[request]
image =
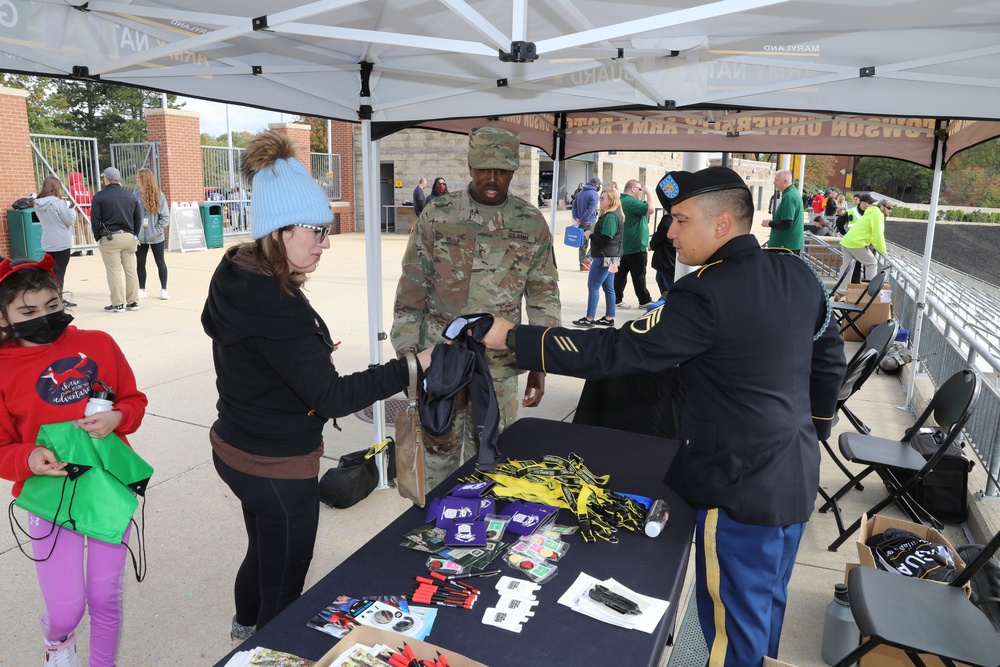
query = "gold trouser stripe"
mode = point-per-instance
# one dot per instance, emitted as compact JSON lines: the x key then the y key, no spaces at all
{"x":713,"y":576}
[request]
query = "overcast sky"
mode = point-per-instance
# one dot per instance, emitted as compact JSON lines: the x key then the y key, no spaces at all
{"x":213,"y":116}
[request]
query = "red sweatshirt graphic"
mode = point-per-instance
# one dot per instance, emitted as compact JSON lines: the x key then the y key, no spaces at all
{"x":46,"y":384}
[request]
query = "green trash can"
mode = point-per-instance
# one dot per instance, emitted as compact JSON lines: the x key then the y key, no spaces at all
{"x":211,"y":219}
{"x":25,"y":234}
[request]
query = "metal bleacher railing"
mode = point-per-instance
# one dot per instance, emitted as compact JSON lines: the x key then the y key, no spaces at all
{"x":960,"y":330}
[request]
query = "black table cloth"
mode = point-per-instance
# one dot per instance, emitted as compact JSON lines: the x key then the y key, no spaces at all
{"x":555,"y":635}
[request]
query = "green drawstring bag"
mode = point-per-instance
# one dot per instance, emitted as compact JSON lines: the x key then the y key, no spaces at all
{"x":98,"y":495}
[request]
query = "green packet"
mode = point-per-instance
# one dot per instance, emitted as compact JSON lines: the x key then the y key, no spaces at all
{"x":476,"y":558}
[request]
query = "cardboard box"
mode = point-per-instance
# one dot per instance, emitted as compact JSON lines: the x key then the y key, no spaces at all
{"x":878,"y":312}
{"x":370,"y":636}
{"x":887,"y":656}
{"x":878,"y":523}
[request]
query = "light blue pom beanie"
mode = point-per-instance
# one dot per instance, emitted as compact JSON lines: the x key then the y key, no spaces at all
{"x":282,"y":191}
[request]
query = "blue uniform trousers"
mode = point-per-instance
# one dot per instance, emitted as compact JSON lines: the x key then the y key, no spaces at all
{"x":742,"y":574}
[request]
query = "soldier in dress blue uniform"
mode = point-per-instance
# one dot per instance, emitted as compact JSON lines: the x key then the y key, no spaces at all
{"x":760,"y":369}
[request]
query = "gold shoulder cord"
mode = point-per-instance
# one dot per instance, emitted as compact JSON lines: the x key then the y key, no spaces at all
{"x":544,"y":334}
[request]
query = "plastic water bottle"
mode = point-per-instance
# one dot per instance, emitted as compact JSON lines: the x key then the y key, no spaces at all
{"x":657,"y":518}
{"x":101,"y":399}
{"x":840,"y":632}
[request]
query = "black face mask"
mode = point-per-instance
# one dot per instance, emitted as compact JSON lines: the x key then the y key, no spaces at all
{"x":43,"y":330}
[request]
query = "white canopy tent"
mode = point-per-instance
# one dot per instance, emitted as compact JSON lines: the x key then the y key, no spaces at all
{"x":688,"y":65}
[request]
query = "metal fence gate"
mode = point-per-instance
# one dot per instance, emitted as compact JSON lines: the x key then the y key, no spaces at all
{"x":325,"y":169}
{"x":224,"y":183}
{"x":130,"y":158}
{"x":73,"y":160}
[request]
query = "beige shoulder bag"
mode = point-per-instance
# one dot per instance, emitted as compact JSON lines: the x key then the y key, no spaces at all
{"x":410,"y":443}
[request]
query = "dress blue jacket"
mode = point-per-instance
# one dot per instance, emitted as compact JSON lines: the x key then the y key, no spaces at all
{"x":760,"y":371}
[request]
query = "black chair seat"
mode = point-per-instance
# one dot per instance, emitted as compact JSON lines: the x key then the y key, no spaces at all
{"x":879,"y":451}
{"x":908,"y":612}
{"x":848,"y":307}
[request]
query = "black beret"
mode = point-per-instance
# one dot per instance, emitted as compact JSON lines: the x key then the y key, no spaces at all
{"x":677,"y":186}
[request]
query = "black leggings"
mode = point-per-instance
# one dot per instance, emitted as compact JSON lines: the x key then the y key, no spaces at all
{"x":161,"y":264}
{"x":281,"y":517}
{"x":61,"y":258}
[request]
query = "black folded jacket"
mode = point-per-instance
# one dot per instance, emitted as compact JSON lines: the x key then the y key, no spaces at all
{"x":453,"y":368}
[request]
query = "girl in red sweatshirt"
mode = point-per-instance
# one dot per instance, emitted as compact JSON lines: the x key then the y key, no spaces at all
{"x":48,"y":367}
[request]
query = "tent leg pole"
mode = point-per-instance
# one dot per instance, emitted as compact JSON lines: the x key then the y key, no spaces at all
{"x":373,"y":267}
{"x":555,"y":187}
{"x":921,"y":298}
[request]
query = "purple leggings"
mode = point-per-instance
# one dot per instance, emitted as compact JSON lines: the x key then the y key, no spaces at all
{"x":67,"y":591}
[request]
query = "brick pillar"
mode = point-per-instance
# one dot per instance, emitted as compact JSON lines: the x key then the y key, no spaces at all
{"x":179,"y":134}
{"x":15,"y":156}
{"x":342,"y":140}
{"x":299,"y":136}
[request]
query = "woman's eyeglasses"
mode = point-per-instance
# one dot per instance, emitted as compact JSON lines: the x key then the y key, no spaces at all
{"x":320,"y":232}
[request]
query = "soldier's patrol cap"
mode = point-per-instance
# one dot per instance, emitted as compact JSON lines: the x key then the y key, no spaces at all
{"x":677,"y":186}
{"x":493,"y":147}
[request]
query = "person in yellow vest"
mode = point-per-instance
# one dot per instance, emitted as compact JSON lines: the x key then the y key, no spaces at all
{"x":869,"y":230}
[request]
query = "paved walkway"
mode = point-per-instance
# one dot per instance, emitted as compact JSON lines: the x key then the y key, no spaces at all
{"x":194,"y":536}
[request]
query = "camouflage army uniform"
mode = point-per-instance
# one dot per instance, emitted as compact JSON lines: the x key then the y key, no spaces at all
{"x":459,"y":263}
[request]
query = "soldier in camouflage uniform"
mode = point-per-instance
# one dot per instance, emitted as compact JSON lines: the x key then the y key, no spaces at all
{"x":474,"y":251}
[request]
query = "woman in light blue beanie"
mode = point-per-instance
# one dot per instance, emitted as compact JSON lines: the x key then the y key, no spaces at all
{"x":277,"y":385}
{"x":284,"y":193}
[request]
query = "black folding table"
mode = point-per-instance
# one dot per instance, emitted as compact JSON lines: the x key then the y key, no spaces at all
{"x":556,"y":635}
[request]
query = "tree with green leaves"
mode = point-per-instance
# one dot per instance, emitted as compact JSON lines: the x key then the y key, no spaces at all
{"x":241,"y":139}
{"x":895,"y":178}
{"x":48,"y":110}
{"x":317,"y":132}
{"x":972,"y":178}
{"x":109,"y":112}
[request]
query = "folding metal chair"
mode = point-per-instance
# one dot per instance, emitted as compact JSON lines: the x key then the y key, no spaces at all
{"x":922,"y":617}
{"x":879,"y":340}
{"x":860,"y":367}
{"x":951,"y":406}
{"x":840,"y":281}
{"x":849,"y":313}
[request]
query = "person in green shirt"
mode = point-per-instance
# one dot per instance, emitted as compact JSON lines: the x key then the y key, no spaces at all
{"x":637,"y":205}
{"x":606,"y":251}
{"x":787,"y":224}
